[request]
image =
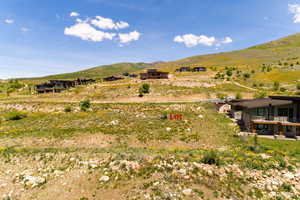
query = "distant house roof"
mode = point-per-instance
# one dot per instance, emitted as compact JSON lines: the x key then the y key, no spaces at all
{"x":151,"y":70}
{"x":112,"y":78}
{"x":259,"y":103}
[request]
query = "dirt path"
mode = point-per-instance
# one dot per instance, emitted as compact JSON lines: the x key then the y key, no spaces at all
{"x":240,"y":85}
{"x":145,"y":99}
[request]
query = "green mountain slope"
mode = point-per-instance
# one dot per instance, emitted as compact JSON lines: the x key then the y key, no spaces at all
{"x":101,"y":71}
{"x":268,"y":53}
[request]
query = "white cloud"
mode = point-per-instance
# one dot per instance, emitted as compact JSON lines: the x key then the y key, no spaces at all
{"x":87,"y":32}
{"x":24,"y":29}
{"x":74,"y":14}
{"x":125,"y":38}
{"x":191,"y":40}
{"x":9,"y":21}
{"x":295,"y":9}
{"x":107,"y":23}
{"x":227,"y":40}
{"x":94,"y":30}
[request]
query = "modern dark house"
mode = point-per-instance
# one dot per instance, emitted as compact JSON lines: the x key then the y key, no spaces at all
{"x":184,"y":69}
{"x":48,"y":87}
{"x":56,"y":86}
{"x":129,"y":75}
{"x":63,"y":83}
{"x":133,"y":75}
{"x":189,"y":69}
{"x":112,"y":78}
{"x":154,"y":74}
{"x":276,"y":115}
{"x":84,"y":81}
{"x":199,"y":69}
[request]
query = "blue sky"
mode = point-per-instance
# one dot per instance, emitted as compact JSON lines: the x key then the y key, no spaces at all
{"x":41,"y":37}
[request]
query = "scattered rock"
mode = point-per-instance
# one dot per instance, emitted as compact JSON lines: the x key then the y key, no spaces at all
{"x":104,"y":179}
{"x":187,"y":192}
{"x":33,"y":181}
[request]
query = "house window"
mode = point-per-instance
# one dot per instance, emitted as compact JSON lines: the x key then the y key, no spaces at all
{"x":260,"y":111}
{"x":261,"y":127}
{"x":283,"y":112}
{"x":288,"y":129}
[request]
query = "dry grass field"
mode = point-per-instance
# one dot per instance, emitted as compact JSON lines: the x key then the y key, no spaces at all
{"x":135,"y":151}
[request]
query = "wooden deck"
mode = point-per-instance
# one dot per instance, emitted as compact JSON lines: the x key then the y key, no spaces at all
{"x":275,"y":123}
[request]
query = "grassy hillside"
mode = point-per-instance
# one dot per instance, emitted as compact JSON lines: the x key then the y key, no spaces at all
{"x":101,"y":71}
{"x":268,"y":53}
{"x":135,"y":151}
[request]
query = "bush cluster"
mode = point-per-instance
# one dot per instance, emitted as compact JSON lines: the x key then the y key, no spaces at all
{"x":14,"y":115}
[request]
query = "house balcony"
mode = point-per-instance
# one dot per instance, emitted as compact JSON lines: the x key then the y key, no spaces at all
{"x":272,"y":118}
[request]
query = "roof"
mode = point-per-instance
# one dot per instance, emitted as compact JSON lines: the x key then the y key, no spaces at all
{"x":290,"y":98}
{"x":259,"y":103}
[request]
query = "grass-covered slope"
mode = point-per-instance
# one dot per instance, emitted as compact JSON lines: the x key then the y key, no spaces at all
{"x":267,"y":53}
{"x":135,"y":151}
{"x":101,"y":71}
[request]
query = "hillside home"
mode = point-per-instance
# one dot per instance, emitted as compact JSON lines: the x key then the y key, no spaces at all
{"x":56,"y":86}
{"x":48,"y":87}
{"x":63,"y":83}
{"x":129,"y":75}
{"x":154,"y":74}
{"x":184,"y":69}
{"x":133,"y":75}
{"x":189,"y":69}
{"x":199,"y":69}
{"x":276,"y":115}
{"x":84,"y":81}
{"x":112,"y":78}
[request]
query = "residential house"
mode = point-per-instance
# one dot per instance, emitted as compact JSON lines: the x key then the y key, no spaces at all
{"x":199,"y":69}
{"x":112,"y":78}
{"x":184,"y":69}
{"x":56,"y":86}
{"x":154,"y":74}
{"x":276,"y":115}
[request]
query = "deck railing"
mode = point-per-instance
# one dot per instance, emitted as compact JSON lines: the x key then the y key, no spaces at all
{"x":271,"y":118}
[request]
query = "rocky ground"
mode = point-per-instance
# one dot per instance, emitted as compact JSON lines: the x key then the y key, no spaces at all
{"x":86,"y":175}
{"x":135,"y":151}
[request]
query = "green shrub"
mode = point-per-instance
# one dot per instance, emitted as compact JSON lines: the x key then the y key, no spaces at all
{"x":282,"y":89}
{"x":211,"y":157}
{"x":146,"y":88}
{"x":229,"y":73}
{"x":246,"y":75}
{"x":286,"y":187}
{"x":276,"y":85}
{"x":68,"y":109}
{"x":14,"y":115}
{"x":221,"y":96}
{"x":238,"y":96}
{"x":260,"y":95}
{"x":15,"y":84}
{"x":141,"y":93}
{"x":85,"y":105}
{"x":164,"y":116}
